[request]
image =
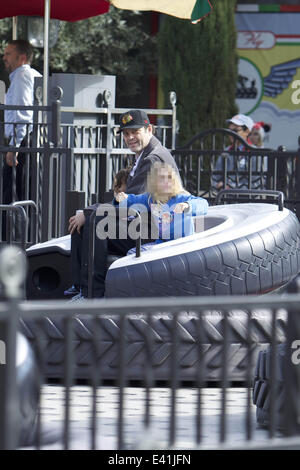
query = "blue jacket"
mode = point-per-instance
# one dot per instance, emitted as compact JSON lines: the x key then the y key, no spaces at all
{"x":169,"y":224}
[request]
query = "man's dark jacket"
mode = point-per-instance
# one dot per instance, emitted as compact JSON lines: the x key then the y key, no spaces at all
{"x":154,"y":152}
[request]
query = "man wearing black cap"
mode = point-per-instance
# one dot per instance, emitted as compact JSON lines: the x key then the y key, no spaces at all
{"x":138,"y":136}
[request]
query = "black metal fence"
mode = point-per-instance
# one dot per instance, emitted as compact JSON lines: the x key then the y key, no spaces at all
{"x":219,"y":159}
{"x":125,"y":310}
{"x":69,"y":166}
{"x":21,"y":409}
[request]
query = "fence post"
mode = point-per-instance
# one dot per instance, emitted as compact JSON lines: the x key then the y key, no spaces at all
{"x":297,"y":185}
{"x":2,"y":154}
{"x":12,"y":277}
{"x":56,"y":123}
{"x":108,"y":150}
{"x":281,"y":183}
{"x":173,"y":99}
{"x":105,"y":160}
{"x":46,"y":187}
{"x":56,"y":95}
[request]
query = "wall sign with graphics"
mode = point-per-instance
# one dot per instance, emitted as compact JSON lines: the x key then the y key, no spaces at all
{"x":268,"y":44}
{"x":249,"y":87}
{"x":255,"y":40}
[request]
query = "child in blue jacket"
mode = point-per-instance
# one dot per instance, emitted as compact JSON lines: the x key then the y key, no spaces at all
{"x":172,"y":208}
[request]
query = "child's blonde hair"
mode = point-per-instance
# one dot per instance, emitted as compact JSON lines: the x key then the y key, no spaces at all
{"x":152,"y":179}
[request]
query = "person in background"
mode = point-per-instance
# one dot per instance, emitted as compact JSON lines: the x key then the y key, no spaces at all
{"x":17,"y":59}
{"x":242,"y":125}
{"x":258,"y":133}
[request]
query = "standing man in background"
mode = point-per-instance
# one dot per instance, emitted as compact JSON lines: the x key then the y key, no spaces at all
{"x":17,"y":58}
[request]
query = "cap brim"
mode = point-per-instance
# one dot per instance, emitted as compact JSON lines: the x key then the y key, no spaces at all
{"x":134,"y":126}
{"x":234,"y":121}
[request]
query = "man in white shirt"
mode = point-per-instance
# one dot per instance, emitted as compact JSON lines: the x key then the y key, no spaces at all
{"x":17,"y":58}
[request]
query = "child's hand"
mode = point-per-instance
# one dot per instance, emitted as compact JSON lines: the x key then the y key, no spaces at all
{"x":180,"y":207}
{"x":121,"y":196}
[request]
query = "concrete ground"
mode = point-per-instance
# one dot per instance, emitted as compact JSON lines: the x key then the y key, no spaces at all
{"x":135,"y":435}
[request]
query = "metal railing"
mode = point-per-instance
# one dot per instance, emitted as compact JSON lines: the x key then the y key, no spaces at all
{"x":124,"y":310}
{"x":99,"y":151}
{"x":219,"y":159}
{"x":70,"y":165}
{"x":224,"y":193}
{"x":121,"y":312}
{"x":64,"y":160}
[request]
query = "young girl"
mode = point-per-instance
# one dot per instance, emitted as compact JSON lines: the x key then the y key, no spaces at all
{"x":171,"y":207}
{"x":258,"y":133}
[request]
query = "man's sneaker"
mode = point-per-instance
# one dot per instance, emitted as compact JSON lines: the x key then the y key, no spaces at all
{"x":78,"y":298}
{"x":73,"y":290}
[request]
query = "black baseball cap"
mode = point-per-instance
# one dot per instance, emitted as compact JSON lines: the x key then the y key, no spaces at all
{"x":134,"y":119}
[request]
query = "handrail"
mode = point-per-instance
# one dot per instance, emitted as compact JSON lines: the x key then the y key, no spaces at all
{"x":33,"y":228}
{"x":250,"y":192}
{"x":19,"y":209}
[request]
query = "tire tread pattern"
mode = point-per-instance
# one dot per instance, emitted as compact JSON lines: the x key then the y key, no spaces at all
{"x":253,"y":264}
{"x":107,"y":334}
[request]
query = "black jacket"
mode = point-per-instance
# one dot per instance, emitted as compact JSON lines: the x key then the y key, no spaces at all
{"x":136,"y":184}
{"x":154,"y":152}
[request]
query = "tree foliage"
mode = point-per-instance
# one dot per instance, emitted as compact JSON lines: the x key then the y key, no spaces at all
{"x":199,"y":62}
{"x":116,"y":43}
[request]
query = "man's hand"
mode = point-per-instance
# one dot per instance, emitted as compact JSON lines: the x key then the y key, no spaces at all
{"x":76,"y":222}
{"x":119,"y":197}
{"x":180,"y":207}
{"x":220,"y":185}
{"x":11,"y":158}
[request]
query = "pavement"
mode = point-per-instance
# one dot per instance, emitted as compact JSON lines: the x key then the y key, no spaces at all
{"x":157,"y":435}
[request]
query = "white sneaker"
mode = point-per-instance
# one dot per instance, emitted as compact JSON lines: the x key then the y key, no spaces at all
{"x":78,"y":298}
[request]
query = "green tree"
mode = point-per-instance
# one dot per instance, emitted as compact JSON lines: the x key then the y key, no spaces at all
{"x":199,"y":62}
{"x":116,"y":43}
